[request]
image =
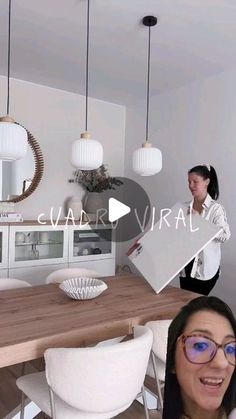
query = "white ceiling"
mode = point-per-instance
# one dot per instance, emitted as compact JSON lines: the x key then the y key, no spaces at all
{"x":193,"y":39}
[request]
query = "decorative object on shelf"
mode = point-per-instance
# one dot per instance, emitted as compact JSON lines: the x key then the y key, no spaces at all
{"x":20,"y":237}
{"x":34,"y":253}
{"x":147,"y":161}
{"x":75,"y":205}
{"x":97,"y":251}
{"x":95,"y":181}
{"x":86,"y":153}
{"x":76,"y":251}
{"x":85,"y":251}
{"x":10,"y":217}
{"x":44,"y":236}
{"x":92,"y":202}
{"x":28,"y":238}
{"x":83,"y":288}
{"x":13,"y":137}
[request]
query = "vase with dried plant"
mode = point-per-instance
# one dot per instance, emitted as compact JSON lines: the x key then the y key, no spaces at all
{"x":94,"y":182}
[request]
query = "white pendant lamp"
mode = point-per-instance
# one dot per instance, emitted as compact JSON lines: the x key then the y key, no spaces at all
{"x":13,"y":137}
{"x":86,"y":153}
{"x":147,"y":160}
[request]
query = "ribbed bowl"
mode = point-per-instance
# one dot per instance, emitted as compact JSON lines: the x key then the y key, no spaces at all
{"x":83,"y":288}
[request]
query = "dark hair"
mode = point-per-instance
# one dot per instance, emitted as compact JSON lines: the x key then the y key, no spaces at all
{"x":173,"y":406}
{"x":205,"y":173}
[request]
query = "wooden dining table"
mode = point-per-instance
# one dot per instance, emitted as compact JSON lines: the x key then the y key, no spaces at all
{"x":36,"y":318}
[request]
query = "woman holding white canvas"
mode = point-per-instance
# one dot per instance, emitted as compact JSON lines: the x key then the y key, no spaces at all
{"x":201,"y":274}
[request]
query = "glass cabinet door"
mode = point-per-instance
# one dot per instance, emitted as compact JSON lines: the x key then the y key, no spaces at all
{"x":94,"y":244}
{"x":38,"y":245}
{"x":35,"y":246}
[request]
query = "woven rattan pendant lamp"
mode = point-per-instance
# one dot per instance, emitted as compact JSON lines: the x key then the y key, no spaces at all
{"x":147,"y":160}
{"x":13,"y":137}
{"x":86,"y":153}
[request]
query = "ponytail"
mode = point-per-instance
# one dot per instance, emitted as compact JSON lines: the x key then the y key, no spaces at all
{"x":213,"y":187}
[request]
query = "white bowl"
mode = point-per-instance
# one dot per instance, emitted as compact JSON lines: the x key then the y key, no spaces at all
{"x":83,"y":288}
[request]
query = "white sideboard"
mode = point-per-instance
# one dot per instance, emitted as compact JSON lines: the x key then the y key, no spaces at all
{"x":31,"y":251}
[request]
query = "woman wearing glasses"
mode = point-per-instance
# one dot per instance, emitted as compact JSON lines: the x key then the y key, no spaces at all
{"x":201,"y":274}
{"x":200,"y":369}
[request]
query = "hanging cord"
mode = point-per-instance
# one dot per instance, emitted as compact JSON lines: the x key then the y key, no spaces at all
{"x":87,"y":67}
{"x":148,"y":83}
{"x":9,"y":57}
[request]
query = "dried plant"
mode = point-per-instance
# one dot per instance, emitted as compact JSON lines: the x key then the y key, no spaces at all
{"x":97,"y":180}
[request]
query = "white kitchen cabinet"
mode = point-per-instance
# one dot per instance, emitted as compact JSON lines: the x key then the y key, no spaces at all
{"x":30,"y":251}
{"x":92,"y":248}
{"x":4,"y":231}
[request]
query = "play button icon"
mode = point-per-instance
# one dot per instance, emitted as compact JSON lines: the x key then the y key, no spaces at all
{"x":126,"y":207}
{"x":116,"y":209}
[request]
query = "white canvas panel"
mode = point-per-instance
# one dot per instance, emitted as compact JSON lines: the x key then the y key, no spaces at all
{"x":171,"y":244}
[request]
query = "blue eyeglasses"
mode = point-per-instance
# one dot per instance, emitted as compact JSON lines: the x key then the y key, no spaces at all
{"x":200,"y":349}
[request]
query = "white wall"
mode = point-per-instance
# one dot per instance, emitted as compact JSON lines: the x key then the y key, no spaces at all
{"x":192,"y":125}
{"x":56,"y":118}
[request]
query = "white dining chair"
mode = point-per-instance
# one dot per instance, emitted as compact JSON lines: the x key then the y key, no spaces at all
{"x":157,"y":362}
{"x":11,"y":283}
{"x":90,"y":383}
{"x":56,"y":277}
{"x":232,"y":414}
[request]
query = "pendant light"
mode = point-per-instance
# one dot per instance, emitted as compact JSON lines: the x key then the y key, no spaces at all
{"x":147,"y":160}
{"x":13,"y":137}
{"x":86,"y":153}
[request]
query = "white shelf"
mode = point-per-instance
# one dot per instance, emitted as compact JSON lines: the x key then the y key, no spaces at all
{"x":38,"y":243}
{"x":24,"y":259}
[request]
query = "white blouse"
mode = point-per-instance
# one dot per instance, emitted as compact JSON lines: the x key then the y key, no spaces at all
{"x":207,"y":262}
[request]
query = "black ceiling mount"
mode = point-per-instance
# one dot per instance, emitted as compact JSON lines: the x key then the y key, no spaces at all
{"x":149,"y":21}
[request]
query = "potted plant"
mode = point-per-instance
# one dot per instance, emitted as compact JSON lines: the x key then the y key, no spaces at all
{"x":94,"y":182}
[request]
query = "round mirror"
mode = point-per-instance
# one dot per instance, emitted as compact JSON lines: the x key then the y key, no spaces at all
{"x":20,"y":178}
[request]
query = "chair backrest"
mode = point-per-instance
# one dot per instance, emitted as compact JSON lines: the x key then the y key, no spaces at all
{"x":11,"y":283}
{"x":100,"y":379}
{"x":60,"y":275}
{"x":232,"y":414}
{"x":159,"y":329}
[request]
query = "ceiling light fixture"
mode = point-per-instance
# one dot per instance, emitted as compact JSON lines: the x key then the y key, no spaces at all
{"x":13,"y":137}
{"x":147,"y":160}
{"x":86,"y":153}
